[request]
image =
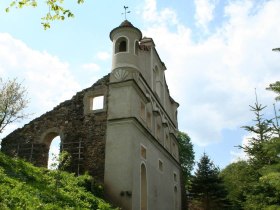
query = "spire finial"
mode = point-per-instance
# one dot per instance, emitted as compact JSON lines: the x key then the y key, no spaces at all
{"x":125,"y":12}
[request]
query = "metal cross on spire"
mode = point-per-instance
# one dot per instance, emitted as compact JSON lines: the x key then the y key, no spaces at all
{"x":125,"y":12}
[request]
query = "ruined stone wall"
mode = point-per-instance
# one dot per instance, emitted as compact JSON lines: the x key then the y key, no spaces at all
{"x":82,"y":132}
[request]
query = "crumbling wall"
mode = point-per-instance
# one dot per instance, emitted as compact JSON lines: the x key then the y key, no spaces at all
{"x":82,"y":132}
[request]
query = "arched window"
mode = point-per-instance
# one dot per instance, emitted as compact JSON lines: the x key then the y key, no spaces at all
{"x":54,"y":152}
{"x":121,"y":45}
{"x":144,"y":196}
{"x":136,"y":47}
{"x":157,"y":82}
{"x":175,"y":198}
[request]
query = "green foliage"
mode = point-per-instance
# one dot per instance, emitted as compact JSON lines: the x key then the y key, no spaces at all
{"x":24,"y":186}
{"x":56,"y":10}
{"x":186,"y":155}
{"x":238,"y":178}
{"x":261,"y":132}
{"x":255,"y":184}
{"x":275,"y":87}
{"x":207,"y":188}
{"x":265,"y":193}
{"x":276,"y":49}
{"x":12,"y":102}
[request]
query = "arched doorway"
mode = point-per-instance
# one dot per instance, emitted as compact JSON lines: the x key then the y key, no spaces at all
{"x":144,"y":196}
{"x":54,"y":151}
{"x":52,"y":138}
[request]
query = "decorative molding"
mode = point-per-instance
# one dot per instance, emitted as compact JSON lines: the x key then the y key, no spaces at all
{"x":120,"y":74}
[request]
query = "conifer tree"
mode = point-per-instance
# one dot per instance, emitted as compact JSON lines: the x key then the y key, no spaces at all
{"x":207,"y":188}
{"x":261,"y":132}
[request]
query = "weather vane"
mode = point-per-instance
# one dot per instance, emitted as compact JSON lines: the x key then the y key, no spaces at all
{"x":125,"y":12}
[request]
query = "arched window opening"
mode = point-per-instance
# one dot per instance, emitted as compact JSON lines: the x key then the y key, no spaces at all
{"x":175,"y":198}
{"x":144,"y":196}
{"x":54,"y":152}
{"x":157,"y":81}
{"x":136,"y":47}
{"x":121,"y":45}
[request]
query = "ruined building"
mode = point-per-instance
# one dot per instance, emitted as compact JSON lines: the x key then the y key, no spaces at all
{"x":129,"y":142}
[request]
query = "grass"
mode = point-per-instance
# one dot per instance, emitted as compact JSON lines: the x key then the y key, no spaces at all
{"x":24,"y":186}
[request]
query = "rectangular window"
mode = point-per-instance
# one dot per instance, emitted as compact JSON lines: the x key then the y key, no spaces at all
{"x":149,"y":119}
{"x":158,"y":132}
{"x":97,"y":103}
{"x":167,"y":142}
{"x":143,"y":152}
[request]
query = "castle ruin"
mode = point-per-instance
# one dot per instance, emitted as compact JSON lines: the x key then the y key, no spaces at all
{"x":128,"y":143}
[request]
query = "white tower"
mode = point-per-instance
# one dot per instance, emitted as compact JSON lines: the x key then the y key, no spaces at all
{"x":125,"y":40}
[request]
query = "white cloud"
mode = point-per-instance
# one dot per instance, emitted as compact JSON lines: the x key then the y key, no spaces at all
{"x":152,"y":15}
{"x":92,"y":67}
{"x":204,"y":12}
{"x":47,"y":79}
{"x":241,"y":155}
{"x":104,"y":56}
{"x":214,"y":79}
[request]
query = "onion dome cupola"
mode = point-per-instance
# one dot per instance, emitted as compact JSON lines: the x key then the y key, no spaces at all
{"x":125,"y":40}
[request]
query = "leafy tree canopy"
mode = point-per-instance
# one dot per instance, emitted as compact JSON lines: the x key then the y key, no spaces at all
{"x":56,"y":9}
{"x":186,"y":154}
{"x":238,"y":178}
{"x":12,"y":102}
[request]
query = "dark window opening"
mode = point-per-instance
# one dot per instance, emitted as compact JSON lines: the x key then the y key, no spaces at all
{"x":121,"y":45}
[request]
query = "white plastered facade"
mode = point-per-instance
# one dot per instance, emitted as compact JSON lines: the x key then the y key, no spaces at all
{"x":142,"y":170}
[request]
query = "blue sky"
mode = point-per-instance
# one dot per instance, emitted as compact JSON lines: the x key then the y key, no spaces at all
{"x":216,"y":52}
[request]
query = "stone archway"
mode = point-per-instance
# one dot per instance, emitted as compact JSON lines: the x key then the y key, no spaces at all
{"x":48,"y":138}
{"x":54,"y":151}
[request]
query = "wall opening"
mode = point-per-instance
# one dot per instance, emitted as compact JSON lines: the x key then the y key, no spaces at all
{"x":54,"y":152}
{"x":142,"y":110}
{"x":136,"y":46}
{"x":175,"y":198}
{"x":121,"y":45}
{"x":144,"y":196}
{"x":175,"y":177}
{"x":98,"y":103}
{"x":149,"y":120}
{"x":160,"y":165}
{"x":167,"y":142}
{"x":157,"y":82}
{"x":143,"y":152}
{"x":158,"y":132}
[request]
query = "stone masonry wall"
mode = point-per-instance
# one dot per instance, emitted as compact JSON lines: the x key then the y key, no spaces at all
{"x":82,"y":132}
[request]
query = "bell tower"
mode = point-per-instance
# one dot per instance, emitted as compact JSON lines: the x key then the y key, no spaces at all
{"x":125,"y":40}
